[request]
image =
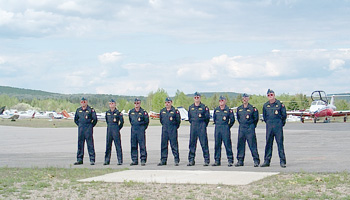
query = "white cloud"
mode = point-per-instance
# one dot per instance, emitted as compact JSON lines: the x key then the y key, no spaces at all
{"x":129,"y":87}
{"x":336,"y":64}
{"x":2,"y":60}
{"x":110,"y":57}
{"x":5,"y":17}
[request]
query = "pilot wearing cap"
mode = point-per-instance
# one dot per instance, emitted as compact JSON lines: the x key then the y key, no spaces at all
{"x":274,"y":113}
{"x":115,"y":122}
{"x":85,"y":118}
{"x":139,"y":121}
{"x":248,"y":117}
{"x":170,"y":120}
{"x":198,"y":116}
{"x":223,"y":119}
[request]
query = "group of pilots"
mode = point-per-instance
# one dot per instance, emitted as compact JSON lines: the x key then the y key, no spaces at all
{"x":274,"y":114}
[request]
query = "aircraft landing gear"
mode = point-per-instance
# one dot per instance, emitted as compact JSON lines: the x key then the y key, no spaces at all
{"x":345,"y":119}
{"x":315,"y":119}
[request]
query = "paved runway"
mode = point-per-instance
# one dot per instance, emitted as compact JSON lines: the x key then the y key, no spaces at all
{"x":309,"y":147}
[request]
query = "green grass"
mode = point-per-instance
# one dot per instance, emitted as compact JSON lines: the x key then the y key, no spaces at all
{"x":62,"y":183}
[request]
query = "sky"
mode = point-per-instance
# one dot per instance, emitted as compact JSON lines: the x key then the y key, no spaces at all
{"x":134,"y":47}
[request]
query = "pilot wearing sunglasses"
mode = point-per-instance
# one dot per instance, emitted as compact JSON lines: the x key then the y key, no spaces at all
{"x":198,"y":116}
{"x":274,"y":113}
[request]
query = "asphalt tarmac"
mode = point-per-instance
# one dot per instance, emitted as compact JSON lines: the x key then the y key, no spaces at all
{"x":309,"y":147}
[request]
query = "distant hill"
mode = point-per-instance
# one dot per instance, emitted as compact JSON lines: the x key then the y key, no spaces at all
{"x":22,"y":93}
{"x":29,"y":94}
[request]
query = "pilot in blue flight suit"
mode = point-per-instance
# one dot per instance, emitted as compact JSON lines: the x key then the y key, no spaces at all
{"x":274,"y":113}
{"x":198,"y":116}
{"x":224,"y":119}
{"x":170,"y":120}
{"x":139,"y":121}
{"x":248,"y":117}
{"x":115,"y":122}
{"x":85,"y":118}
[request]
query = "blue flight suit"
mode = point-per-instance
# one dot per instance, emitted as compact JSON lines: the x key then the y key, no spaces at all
{"x":224,"y":120}
{"x":248,"y":119}
{"x":86,"y":120}
{"x":199,"y":117}
{"x":115,"y":122}
{"x":275,"y":118}
{"x":170,"y":120}
{"x":139,"y":121}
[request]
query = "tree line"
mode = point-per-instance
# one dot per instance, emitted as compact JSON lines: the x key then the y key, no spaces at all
{"x":153,"y":102}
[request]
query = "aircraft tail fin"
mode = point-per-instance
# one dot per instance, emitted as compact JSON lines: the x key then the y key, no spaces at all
{"x":332,"y":100}
{"x":2,"y":109}
{"x":65,"y":114}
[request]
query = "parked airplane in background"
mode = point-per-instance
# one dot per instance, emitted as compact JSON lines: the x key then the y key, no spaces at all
{"x":321,"y":108}
{"x":6,"y":114}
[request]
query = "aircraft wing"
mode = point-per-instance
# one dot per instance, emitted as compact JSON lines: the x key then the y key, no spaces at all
{"x":299,"y":113}
{"x":339,"y":113}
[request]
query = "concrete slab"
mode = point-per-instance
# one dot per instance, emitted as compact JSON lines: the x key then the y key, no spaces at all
{"x":183,"y":177}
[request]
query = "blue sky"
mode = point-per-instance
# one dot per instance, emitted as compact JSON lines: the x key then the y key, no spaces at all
{"x":134,"y":47}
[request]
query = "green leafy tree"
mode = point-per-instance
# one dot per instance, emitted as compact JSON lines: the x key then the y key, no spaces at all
{"x":342,"y":105}
{"x":158,"y":99}
{"x":213,"y":101}
{"x":8,"y":101}
{"x":181,"y":99}
{"x":148,"y":104}
{"x":293,"y":105}
{"x":121,"y":104}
